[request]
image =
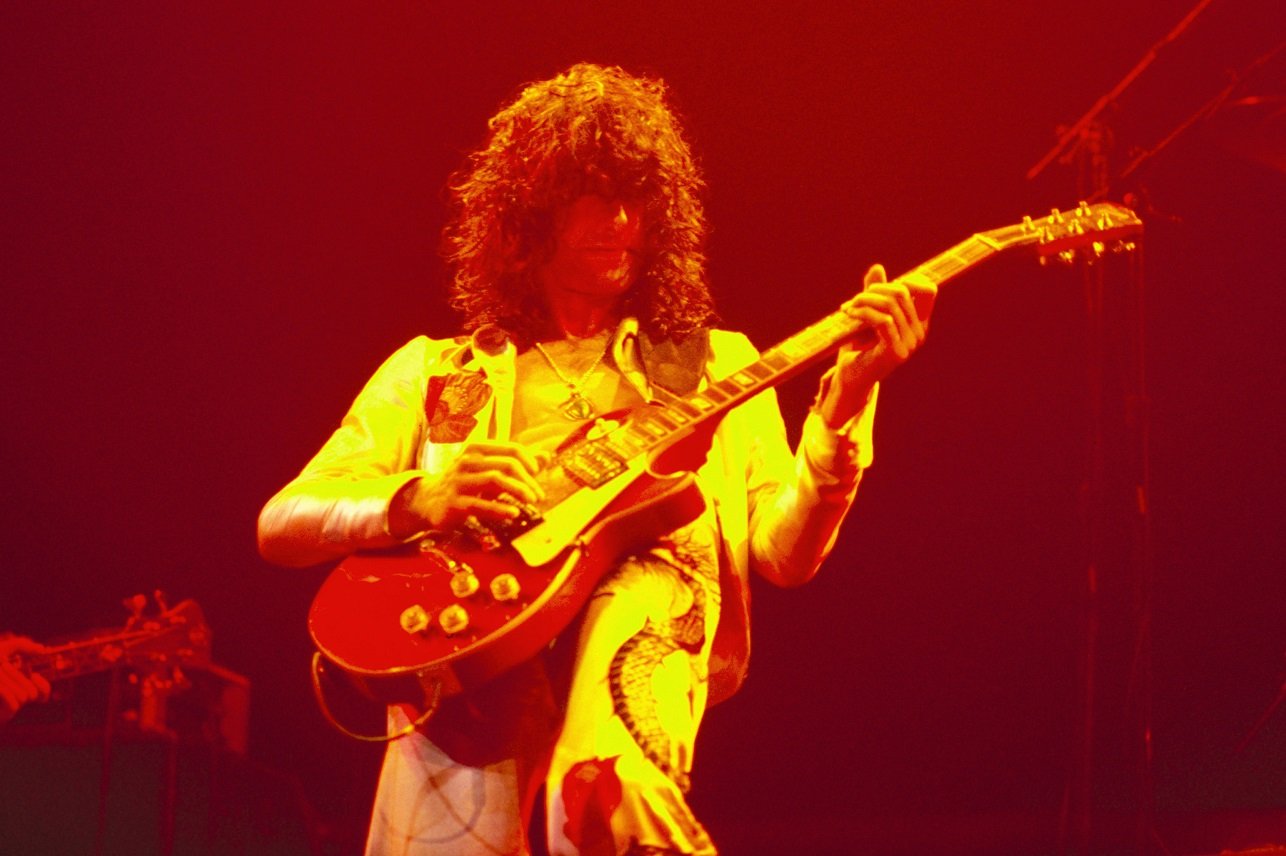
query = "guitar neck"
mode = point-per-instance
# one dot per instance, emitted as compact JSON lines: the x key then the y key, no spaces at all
{"x":80,"y":658}
{"x":177,"y":636}
{"x":657,"y":427}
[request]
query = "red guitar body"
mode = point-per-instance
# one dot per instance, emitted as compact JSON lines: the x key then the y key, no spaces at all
{"x":379,"y":615}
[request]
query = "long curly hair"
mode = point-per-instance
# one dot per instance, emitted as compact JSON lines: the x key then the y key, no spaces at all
{"x":591,"y":129}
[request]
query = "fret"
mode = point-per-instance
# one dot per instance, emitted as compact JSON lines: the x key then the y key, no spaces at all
{"x":793,"y":349}
{"x":715,"y":395}
{"x":688,"y":410}
{"x":817,"y":340}
{"x":810,"y":339}
{"x":678,"y":415}
{"x":734,"y":388}
{"x":641,"y":439}
{"x":627,"y":442}
{"x":730,"y":386}
{"x":646,"y":422}
{"x":829,"y":330}
{"x":666,"y":419}
{"x":960,"y":257}
{"x":937,"y":272}
{"x":776,"y":360}
{"x":760,"y":371}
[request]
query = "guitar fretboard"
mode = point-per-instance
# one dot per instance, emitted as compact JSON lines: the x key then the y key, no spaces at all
{"x":179,"y":635}
{"x":79,"y":658}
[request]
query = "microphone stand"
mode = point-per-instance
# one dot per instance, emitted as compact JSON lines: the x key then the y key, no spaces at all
{"x":1082,"y":125}
{"x":1086,"y":144}
{"x":1262,"y":721}
{"x":1093,"y":139}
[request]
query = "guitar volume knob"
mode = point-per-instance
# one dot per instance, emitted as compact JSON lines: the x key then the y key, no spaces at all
{"x":415,"y":619}
{"x":464,"y":582}
{"x":505,"y":587}
{"x":454,"y":619}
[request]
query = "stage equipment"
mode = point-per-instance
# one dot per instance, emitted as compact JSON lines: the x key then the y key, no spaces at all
{"x":141,"y":749}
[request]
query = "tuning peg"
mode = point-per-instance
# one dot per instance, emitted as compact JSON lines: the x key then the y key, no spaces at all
{"x":135,"y":605}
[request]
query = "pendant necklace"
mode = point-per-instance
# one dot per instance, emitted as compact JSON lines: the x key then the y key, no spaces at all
{"x":577,"y":407}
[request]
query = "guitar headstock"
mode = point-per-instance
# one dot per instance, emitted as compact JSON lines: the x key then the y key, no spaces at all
{"x":1086,"y":232}
{"x":175,"y":636}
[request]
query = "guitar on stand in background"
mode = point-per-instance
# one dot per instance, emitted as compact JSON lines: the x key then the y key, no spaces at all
{"x":153,"y":649}
{"x":141,"y":748}
{"x":158,"y":679}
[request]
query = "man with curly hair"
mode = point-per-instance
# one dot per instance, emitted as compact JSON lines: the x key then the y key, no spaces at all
{"x":577,"y":250}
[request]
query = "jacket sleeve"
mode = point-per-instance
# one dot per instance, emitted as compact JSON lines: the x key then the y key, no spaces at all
{"x":797,"y":502}
{"x":339,"y":502}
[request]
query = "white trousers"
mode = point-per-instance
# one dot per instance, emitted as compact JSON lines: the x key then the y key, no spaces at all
{"x":615,"y":768}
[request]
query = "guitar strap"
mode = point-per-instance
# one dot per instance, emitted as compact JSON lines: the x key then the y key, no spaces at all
{"x":676,"y":366}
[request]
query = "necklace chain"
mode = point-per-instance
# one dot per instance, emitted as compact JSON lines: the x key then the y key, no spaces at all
{"x":577,"y":407}
{"x":564,"y":378}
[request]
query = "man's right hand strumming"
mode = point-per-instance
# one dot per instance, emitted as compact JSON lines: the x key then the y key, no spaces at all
{"x":478,"y":483}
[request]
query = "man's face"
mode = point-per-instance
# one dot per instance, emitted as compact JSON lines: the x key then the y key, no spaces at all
{"x":598,"y":244}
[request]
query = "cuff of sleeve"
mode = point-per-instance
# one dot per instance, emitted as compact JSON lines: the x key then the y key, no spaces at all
{"x":355,"y":513}
{"x":845,"y":450}
{"x":403,"y":483}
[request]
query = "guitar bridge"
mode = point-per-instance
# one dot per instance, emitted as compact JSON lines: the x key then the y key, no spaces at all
{"x":528,"y":516}
{"x":494,"y":535}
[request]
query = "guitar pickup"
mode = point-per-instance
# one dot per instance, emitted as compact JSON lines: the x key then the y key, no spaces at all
{"x":592,"y":464}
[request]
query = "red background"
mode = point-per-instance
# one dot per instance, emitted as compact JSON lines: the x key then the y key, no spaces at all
{"x":219,"y":220}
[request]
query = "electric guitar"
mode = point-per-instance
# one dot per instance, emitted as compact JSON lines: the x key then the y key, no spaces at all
{"x":175,"y":636}
{"x":434,"y":618}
